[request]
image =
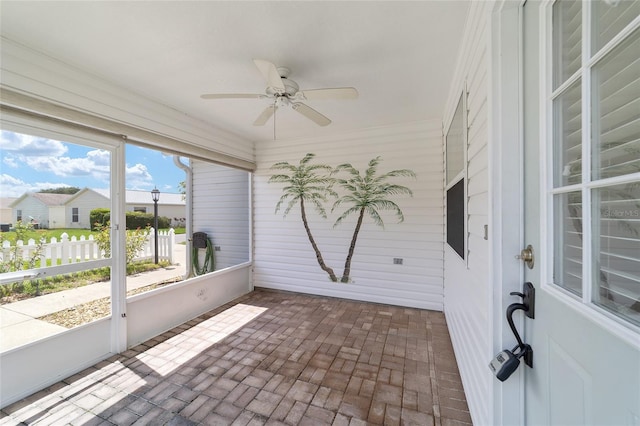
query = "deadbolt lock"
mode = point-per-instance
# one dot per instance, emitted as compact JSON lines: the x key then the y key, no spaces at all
{"x":526,"y":255}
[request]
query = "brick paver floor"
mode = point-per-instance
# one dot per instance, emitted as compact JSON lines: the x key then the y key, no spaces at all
{"x":270,"y":358}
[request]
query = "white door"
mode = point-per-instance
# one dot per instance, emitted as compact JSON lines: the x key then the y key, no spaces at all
{"x":582,"y":211}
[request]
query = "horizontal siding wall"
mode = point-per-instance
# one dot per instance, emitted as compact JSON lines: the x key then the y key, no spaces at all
{"x":284,"y":258}
{"x":32,"y":208}
{"x":467,"y":289}
{"x":221,"y":209}
{"x":85,"y":203}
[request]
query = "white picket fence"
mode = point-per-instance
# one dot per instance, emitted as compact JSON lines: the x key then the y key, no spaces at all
{"x":73,"y":250}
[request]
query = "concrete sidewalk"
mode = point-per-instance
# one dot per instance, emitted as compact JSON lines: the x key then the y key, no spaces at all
{"x":19,"y":323}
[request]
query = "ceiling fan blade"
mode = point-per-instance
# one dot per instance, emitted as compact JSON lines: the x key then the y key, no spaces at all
{"x":231,"y":96}
{"x":271,"y":74}
{"x":311,"y":114}
{"x":334,"y":93}
{"x":265,"y":116}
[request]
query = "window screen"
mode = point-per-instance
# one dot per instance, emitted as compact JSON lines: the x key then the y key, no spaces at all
{"x":455,"y":141}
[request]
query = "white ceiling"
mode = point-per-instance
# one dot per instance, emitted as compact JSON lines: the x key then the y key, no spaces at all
{"x":399,"y":55}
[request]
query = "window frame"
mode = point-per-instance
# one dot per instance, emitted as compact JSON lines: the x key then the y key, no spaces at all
{"x":75,"y":215}
{"x":38,"y":127}
{"x":585,"y":302}
{"x":460,"y":176}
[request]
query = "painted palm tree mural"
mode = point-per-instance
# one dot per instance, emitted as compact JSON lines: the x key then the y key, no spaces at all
{"x":364,"y":195}
{"x":368,"y":194}
{"x":306,"y":183}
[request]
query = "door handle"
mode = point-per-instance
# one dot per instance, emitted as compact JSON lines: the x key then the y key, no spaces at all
{"x":526,"y":255}
{"x":507,"y":361}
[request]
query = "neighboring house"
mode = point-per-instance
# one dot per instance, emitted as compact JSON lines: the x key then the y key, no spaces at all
{"x":6,"y":216}
{"x":79,"y":206}
{"x":41,"y":209}
{"x":169,"y":204}
{"x":72,"y":211}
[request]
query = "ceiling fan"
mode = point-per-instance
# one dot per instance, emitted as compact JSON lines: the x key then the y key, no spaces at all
{"x":285,"y":92}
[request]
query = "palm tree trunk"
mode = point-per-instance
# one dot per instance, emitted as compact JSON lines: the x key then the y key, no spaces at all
{"x":324,"y":267}
{"x":352,"y":247}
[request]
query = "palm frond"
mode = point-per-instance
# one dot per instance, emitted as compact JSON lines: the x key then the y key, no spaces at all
{"x":388,"y":205}
{"x":283,"y":166}
{"x":375,"y":215}
{"x":373,"y":167}
{"x":291,"y":204}
{"x":347,"y":213}
{"x":308,"y":157}
{"x":279,"y":178}
{"x":395,"y":173}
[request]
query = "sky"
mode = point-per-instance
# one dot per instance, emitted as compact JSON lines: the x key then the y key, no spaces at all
{"x":29,"y":164}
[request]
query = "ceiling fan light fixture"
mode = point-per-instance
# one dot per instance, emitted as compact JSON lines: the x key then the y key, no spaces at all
{"x":290,"y":87}
{"x":282,"y":91}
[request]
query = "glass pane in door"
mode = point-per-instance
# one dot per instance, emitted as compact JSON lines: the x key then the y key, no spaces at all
{"x":608,"y":18}
{"x":616,"y":249}
{"x":616,"y":111}
{"x":567,"y":258}
{"x":567,"y":137}
{"x":567,"y":40}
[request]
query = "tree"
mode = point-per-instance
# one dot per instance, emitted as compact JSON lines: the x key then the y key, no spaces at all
{"x":182,"y":188}
{"x":134,"y":241}
{"x":61,"y":190}
{"x":368,"y":194}
{"x":305,"y":183}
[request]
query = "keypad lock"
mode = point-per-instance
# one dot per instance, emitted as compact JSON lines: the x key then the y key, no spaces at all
{"x":506,"y":362}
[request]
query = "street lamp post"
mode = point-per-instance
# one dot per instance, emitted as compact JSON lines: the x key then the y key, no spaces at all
{"x":155,"y":195}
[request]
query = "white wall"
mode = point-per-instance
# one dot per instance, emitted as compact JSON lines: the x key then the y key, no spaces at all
{"x":467,"y":290}
{"x":34,"y":366}
{"x":57,"y":217}
{"x":34,"y":208}
{"x":86,"y":202}
{"x":221,"y":208}
{"x":156,"y":311}
{"x":283,"y":257}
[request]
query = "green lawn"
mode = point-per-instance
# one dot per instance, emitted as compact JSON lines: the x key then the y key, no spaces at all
{"x":48,"y":234}
{"x":57,"y":233}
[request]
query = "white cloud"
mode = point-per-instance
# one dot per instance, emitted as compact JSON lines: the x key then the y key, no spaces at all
{"x":27,"y":145}
{"x":94,"y":165}
{"x":13,"y":187}
{"x":138,"y":177}
{"x":46,"y":155}
{"x":11,"y":162}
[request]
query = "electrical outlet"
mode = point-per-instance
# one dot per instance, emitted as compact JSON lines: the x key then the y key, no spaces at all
{"x":397,"y":261}
{"x":216,"y":248}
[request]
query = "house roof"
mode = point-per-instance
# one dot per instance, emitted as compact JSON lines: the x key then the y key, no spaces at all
{"x":5,"y":202}
{"x":50,"y":200}
{"x":132,"y":197}
{"x":140,"y":197}
{"x":144,"y":197}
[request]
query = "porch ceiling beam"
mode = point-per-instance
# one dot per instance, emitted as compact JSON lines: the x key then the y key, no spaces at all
{"x":15,"y":103}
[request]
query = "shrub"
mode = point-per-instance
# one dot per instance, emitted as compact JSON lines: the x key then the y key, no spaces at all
{"x":137,"y":220}
{"x":134,"y":220}
{"x":13,"y":259}
{"x":135,"y":241}
{"x":99,"y":217}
